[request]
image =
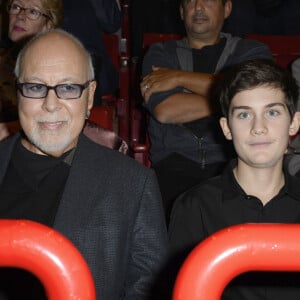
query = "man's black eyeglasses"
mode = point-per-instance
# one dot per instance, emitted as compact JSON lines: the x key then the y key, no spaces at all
{"x":65,"y":91}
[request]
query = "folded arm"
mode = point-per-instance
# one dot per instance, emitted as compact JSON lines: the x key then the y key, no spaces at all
{"x":181,"y":108}
{"x":178,"y":107}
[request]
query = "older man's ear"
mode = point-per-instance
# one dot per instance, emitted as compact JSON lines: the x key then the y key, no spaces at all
{"x":92,"y":88}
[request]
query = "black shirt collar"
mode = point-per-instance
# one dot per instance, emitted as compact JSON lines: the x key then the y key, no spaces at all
{"x":232,"y":189}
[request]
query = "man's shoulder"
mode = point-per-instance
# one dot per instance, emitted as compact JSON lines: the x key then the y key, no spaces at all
{"x":241,"y":49}
{"x":242,"y":41}
{"x":250,"y":43}
{"x":9,"y":142}
{"x":169,"y":46}
{"x":209,"y":191}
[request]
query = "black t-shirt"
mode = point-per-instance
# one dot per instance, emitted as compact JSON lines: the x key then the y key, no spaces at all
{"x":32,"y":186}
{"x":31,"y":190}
{"x":221,"y":202}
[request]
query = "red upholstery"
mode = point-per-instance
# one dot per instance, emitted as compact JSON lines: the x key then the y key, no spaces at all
{"x":101,"y":129}
{"x":151,"y":38}
{"x":285,"y":48}
{"x":111,"y":45}
{"x":121,"y":102}
{"x":102,"y":116}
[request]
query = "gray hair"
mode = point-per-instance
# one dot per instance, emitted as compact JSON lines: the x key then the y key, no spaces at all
{"x":91,"y":72}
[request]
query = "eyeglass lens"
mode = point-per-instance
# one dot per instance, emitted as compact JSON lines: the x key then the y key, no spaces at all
{"x":31,"y":13}
{"x":63,"y":91}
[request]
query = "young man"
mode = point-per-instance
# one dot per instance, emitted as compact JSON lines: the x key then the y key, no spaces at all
{"x":258,"y":102}
{"x":187,"y":145}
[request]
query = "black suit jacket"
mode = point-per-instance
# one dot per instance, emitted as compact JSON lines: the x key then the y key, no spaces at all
{"x":111,"y":210}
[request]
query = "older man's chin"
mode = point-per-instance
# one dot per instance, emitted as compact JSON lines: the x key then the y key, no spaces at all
{"x":52,"y":143}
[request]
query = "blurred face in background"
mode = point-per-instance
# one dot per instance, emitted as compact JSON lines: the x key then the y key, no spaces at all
{"x":203,"y":19}
{"x":26,"y":18}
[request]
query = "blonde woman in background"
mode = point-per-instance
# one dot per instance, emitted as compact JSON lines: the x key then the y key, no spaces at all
{"x":26,"y":18}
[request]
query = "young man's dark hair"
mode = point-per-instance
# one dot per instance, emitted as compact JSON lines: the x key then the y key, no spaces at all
{"x":245,"y":76}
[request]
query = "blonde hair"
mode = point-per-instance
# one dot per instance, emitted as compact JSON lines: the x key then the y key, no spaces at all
{"x":53,"y":9}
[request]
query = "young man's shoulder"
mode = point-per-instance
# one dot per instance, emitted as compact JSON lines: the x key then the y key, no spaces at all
{"x":207,"y":192}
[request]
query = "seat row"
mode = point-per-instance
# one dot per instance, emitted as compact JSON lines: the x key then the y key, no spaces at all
{"x":125,"y":114}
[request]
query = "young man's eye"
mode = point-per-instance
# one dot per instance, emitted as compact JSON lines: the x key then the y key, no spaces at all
{"x":273,"y":113}
{"x":243,"y":115}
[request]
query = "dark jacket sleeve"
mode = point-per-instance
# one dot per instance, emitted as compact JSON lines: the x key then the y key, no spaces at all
{"x":149,"y":244}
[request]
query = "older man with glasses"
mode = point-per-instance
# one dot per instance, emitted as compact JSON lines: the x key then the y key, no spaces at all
{"x":106,"y":203}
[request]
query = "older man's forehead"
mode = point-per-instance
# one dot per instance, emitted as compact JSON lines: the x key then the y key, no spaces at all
{"x":53,"y":54}
{"x":56,"y":43}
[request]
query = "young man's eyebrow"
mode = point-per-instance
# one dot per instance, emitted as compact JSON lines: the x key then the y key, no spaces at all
{"x":277,"y":103}
{"x":239,"y":107}
{"x":267,"y":106}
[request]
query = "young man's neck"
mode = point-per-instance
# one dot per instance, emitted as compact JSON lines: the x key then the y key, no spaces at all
{"x":263,"y":183}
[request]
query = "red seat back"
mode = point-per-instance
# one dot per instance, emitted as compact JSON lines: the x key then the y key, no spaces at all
{"x":285,"y":48}
{"x":103,"y":116}
{"x":151,"y":38}
{"x":121,"y":101}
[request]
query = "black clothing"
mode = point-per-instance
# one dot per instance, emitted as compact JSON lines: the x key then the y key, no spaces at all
{"x":185,"y":154}
{"x":31,"y":190}
{"x":168,"y":138}
{"x":32,"y":186}
{"x":263,"y":17}
{"x":111,"y":211}
{"x":167,"y":20}
{"x":175,"y":165}
{"x":81,"y":20}
{"x":221,"y":202}
{"x":190,"y":173}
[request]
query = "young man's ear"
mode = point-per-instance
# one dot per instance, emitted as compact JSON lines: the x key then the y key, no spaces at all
{"x":295,"y":124}
{"x":225,"y":128}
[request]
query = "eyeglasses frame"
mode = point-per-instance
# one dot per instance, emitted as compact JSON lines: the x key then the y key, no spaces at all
{"x":19,"y":86}
{"x":8,"y":7}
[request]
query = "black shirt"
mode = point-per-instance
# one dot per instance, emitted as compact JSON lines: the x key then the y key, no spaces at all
{"x":220,"y":202}
{"x":32,"y":186}
{"x":31,"y":190}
